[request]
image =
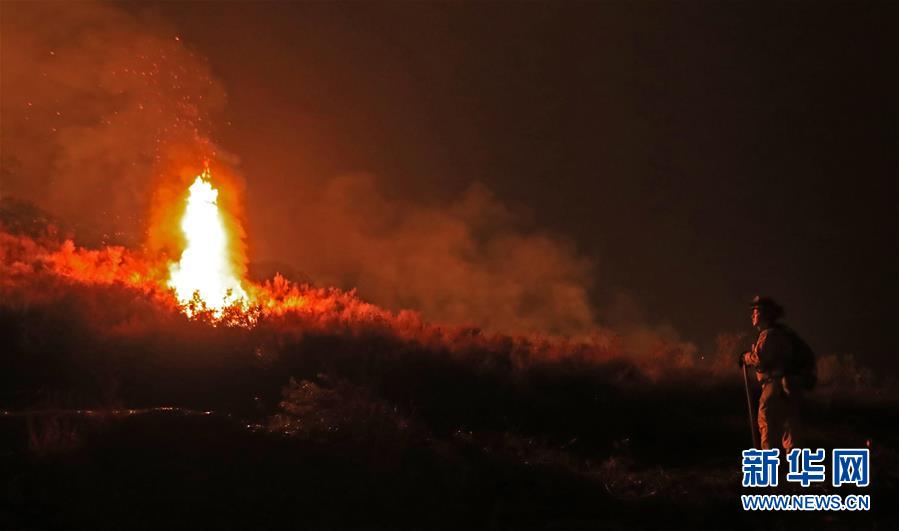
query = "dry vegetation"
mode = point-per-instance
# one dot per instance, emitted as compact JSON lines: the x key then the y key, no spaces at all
{"x":342,"y":415}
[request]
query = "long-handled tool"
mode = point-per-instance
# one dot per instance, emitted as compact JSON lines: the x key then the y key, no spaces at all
{"x":755,"y":437}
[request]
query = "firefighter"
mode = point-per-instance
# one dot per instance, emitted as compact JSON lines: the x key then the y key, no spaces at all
{"x":771,"y":355}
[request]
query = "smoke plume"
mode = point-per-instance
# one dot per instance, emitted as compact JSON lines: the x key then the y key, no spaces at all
{"x":98,"y":106}
{"x":108,"y":112}
{"x":468,"y":261}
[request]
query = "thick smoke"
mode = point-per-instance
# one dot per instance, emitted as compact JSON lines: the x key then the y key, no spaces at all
{"x":464,"y":262}
{"x":98,"y":106}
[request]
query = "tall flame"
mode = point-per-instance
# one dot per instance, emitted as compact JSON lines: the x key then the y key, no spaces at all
{"x":205,"y":268}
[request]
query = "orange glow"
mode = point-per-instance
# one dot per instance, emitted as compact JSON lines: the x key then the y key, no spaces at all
{"x":201,"y":227}
{"x":205,"y":270}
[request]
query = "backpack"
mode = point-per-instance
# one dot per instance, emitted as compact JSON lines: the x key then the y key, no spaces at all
{"x":801,"y":370}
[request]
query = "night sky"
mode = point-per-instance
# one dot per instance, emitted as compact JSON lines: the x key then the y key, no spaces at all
{"x":698,"y":152}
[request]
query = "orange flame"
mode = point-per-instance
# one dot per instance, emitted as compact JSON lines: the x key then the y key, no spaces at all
{"x":205,"y":272}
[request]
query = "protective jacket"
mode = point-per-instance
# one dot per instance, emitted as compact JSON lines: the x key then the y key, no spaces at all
{"x":771,"y":353}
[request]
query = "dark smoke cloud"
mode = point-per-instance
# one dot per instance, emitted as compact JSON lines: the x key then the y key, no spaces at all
{"x":97,"y":104}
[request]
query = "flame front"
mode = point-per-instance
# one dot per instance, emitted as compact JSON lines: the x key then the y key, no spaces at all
{"x":205,"y":268}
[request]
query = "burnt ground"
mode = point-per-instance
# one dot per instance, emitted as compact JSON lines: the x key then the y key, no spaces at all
{"x":363,"y":430}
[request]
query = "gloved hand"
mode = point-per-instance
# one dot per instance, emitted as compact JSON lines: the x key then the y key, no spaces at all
{"x":741,"y":359}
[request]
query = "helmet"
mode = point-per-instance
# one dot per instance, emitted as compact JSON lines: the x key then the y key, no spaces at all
{"x":768,"y":306}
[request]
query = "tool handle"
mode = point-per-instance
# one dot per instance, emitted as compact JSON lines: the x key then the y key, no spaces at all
{"x":755,"y":438}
